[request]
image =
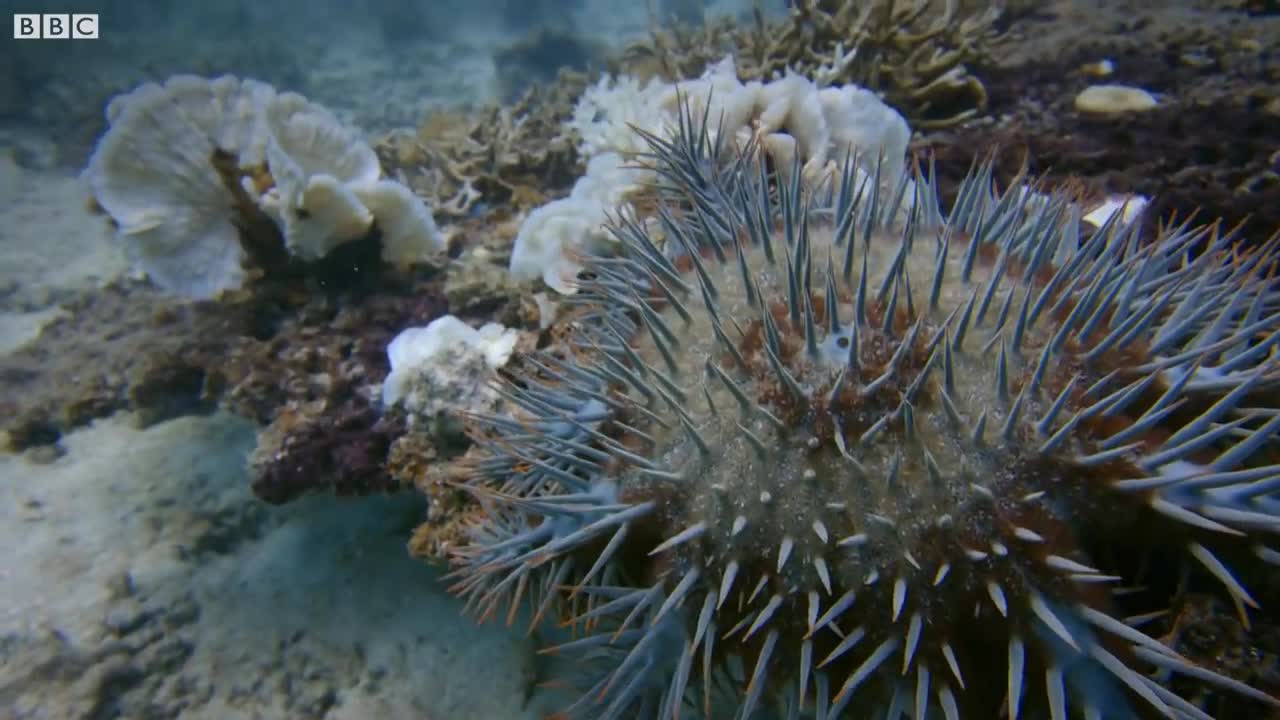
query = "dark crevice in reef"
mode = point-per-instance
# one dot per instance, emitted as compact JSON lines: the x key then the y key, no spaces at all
{"x":1198,"y":621}
{"x":353,"y":268}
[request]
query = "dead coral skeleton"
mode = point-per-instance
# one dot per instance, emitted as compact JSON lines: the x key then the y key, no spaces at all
{"x":915,"y":52}
{"x":515,"y":155}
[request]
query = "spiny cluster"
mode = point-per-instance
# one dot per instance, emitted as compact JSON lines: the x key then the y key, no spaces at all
{"x":830,"y":452}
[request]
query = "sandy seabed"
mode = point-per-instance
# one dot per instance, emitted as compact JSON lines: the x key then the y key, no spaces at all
{"x":142,"y":579}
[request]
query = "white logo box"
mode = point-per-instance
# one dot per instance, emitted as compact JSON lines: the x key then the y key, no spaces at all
{"x":55,"y":26}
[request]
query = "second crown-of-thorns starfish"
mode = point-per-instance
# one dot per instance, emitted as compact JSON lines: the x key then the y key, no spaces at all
{"x":832,"y":453}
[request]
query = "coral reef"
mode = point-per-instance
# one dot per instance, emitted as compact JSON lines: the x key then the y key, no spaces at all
{"x":306,"y":365}
{"x":1209,"y":148}
{"x":809,"y":456}
{"x":341,"y":447}
{"x":917,"y":53}
{"x":321,"y":382}
{"x":801,"y":444}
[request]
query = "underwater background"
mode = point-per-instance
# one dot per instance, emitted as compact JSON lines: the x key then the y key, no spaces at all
{"x":218,"y":499}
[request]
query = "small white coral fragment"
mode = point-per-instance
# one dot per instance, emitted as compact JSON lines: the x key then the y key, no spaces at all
{"x":1128,"y":206}
{"x":446,"y":365}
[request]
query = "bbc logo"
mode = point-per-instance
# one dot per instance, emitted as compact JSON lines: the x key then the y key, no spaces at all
{"x":55,"y":26}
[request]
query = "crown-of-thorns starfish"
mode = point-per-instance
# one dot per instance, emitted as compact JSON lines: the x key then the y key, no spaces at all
{"x":830,"y":452}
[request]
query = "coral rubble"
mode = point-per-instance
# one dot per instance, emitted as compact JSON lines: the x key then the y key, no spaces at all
{"x":503,"y":158}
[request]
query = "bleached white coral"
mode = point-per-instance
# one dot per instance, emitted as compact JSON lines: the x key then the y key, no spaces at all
{"x":859,"y":122}
{"x":406,"y":225}
{"x":792,"y":118}
{"x":445,"y":365}
{"x":605,"y":113}
{"x":314,"y":159}
{"x":167,"y":170}
{"x":728,"y":103}
{"x":792,"y":112}
{"x":153,"y":174}
{"x":553,"y":236}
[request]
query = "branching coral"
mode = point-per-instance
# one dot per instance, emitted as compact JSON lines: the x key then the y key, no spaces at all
{"x":515,"y":155}
{"x":916,"y":52}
